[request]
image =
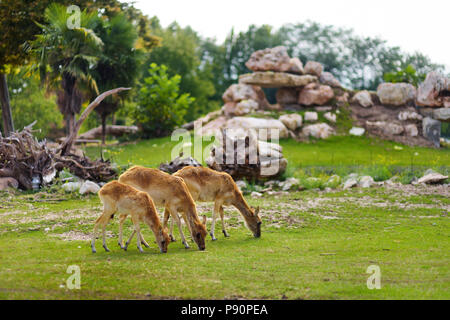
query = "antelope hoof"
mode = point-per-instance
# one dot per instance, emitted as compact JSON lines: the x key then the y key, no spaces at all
{"x":121,"y":246}
{"x":186,"y":246}
{"x":106,"y":248}
{"x":93,"y":250}
{"x":172,"y":239}
{"x":126,"y":246}
{"x":225,"y":233}
{"x":212,"y":236}
{"x":140,"y":250}
{"x":146,"y":244}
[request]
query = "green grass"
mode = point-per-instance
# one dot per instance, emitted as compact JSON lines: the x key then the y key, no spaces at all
{"x":314,"y":245}
{"x":340,"y":155}
{"x":335,"y":151}
{"x":303,"y":253}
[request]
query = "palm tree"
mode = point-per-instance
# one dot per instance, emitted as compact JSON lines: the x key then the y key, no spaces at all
{"x":66,"y":57}
{"x":119,"y":63}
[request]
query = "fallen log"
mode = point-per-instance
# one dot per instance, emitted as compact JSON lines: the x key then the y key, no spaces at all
{"x":112,"y":130}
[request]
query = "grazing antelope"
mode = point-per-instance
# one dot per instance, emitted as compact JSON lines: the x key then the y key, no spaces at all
{"x":209,"y":185}
{"x":172,"y":193}
{"x":124,"y":199}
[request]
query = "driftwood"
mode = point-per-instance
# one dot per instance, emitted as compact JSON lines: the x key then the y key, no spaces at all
{"x":34,"y":164}
{"x":110,"y":130}
{"x":178,"y":163}
{"x":25,"y":159}
{"x":65,"y":147}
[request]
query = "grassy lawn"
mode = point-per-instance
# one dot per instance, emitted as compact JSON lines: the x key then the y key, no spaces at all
{"x":314,"y":245}
{"x":335,"y":151}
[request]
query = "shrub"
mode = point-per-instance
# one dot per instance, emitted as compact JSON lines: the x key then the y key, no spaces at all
{"x":408,"y":75}
{"x":160,"y":107}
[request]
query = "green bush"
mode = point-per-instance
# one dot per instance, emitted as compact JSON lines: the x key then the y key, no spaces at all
{"x":160,"y":106}
{"x":378,"y":173}
{"x":408,"y":75}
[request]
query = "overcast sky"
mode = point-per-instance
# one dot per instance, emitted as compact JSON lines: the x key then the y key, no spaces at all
{"x":410,"y":24}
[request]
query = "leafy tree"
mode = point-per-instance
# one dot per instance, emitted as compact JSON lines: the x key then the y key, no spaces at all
{"x":66,"y":57}
{"x":180,"y":51}
{"x":118,"y":65}
{"x":160,"y":106}
{"x":29,"y":103}
{"x":18,"y":29}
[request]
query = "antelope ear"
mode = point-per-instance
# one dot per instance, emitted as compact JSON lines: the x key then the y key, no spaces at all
{"x":204,"y":220}
{"x":257,"y":211}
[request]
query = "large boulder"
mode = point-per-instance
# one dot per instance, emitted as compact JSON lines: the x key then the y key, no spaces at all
{"x":247,"y":123}
{"x":318,"y":130}
{"x":442,"y":114}
{"x":388,"y":128}
{"x":203,"y":120}
{"x":246,"y":157}
{"x":396,"y":94}
{"x":178,"y":163}
{"x":295,"y":66}
{"x":432,"y":177}
{"x":274,"y":59}
{"x":409,"y":115}
{"x":328,"y":79}
{"x":231,"y":109}
{"x":432,"y":130}
{"x":89,"y":187}
{"x":411,"y":130}
{"x":430,"y":92}
{"x":276,"y":79}
{"x":291,"y":121}
{"x":311,"y":116}
{"x":213,"y":127}
{"x":357,"y":131}
{"x":239,"y":92}
{"x":8,"y":182}
{"x":315,"y":94}
{"x":366,"y":182}
{"x":363,"y":98}
{"x":314,"y":68}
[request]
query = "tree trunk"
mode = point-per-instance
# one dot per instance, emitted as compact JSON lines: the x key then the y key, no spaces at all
{"x":103,"y":128}
{"x":67,"y":144}
{"x":8,"y":125}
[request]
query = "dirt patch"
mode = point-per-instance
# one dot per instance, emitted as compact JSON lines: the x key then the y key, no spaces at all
{"x":78,"y":236}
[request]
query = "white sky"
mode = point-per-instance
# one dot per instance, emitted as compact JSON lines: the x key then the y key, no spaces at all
{"x":410,"y":24}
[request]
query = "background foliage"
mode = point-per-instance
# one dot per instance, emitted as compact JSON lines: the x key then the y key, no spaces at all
{"x":161,"y":107}
{"x":205,"y":67}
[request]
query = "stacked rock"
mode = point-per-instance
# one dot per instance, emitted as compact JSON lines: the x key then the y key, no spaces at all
{"x":401,"y":112}
{"x":243,"y":155}
{"x":241,"y":99}
{"x":297,"y":85}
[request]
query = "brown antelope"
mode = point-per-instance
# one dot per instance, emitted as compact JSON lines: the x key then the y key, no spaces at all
{"x":206,"y":184}
{"x":124,"y":199}
{"x":172,"y":193}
